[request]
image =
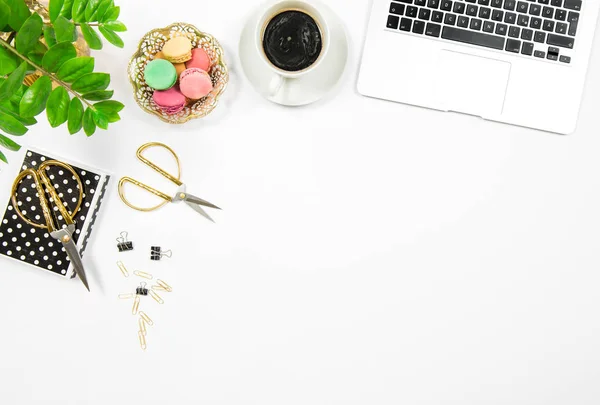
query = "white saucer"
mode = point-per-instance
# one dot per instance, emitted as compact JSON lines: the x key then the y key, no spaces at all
{"x":306,"y":89}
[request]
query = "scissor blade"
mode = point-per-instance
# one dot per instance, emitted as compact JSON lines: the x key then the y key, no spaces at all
{"x":199,"y":210}
{"x":196,"y":200}
{"x":73,"y":254}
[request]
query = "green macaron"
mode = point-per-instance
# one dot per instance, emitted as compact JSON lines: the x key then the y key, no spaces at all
{"x":160,"y":74}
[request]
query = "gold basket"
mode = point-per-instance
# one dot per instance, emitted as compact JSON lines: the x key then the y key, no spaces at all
{"x":151,"y":44}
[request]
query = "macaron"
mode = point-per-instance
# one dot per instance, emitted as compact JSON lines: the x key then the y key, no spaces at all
{"x":178,"y":50}
{"x":159,"y":55}
{"x":200,"y":60}
{"x":195,"y":83}
{"x":160,"y":74}
{"x":170,"y":101}
{"x":179,"y":68}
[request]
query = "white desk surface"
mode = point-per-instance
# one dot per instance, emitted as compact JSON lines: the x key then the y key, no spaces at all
{"x":367,"y":253}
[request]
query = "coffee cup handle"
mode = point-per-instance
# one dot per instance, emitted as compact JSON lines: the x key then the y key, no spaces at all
{"x":276,"y":84}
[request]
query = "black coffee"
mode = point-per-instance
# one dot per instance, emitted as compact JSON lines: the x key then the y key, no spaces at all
{"x":292,"y":41}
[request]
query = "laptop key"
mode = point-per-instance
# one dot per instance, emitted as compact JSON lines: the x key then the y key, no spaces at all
{"x":450,"y":19}
{"x":544,"y":1}
{"x":405,"y":1}
{"x":397,"y":8}
{"x":501,"y":29}
{"x":463,"y":21}
{"x":488,"y":26}
{"x":484,"y":2}
{"x":540,"y":37}
{"x":437,"y":16}
{"x":535,"y":23}
{"x":527,"y":34}
{"x":573,"y":17}
{"x":513,"y":45}
{"x":523,"y":20}
{"x":497,"y":3}
{"x":510,"y":18}
{"x":560,"y":15}
{"x":559,"y":40}
{"x":424,"y":14}
{"x":548,"y":25}
{"x":539,"y":54}
{"x":509,"y":5}
{"x":573,"y":28}
{"x":475,"y":24}
{"x":561,"y":28}
{"x":547,"y":12}
{"x":411,"y":11}
{"x":497,"y":15}
{"x":522,"y":7}
{"x":446,"y":5}
{"x":459,"y":7}
{"x":556,"y":3}
{"x":421,"y":3}
{"x":514,"y":32}
{"x":433,"y":4}
{"x":433,"y":30}
{"x":405,"y":24}
{"x":535,"y":9}
{"x":393,"y":21}
{"x":573,"y":5}
{"x":472,"y":10}
{"x":485,"y":12}
{"x":418,"y":27}
{"x":565,"y":59}
{"x":473,"y":38}
{"x":527,"y":48}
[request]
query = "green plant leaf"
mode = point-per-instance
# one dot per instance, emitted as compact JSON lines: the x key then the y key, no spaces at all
{"x":112,"y":116}
{"x":49,"y":35}
{"x":75,"y":116}
{"x":8,"y":62}
{"x":109,"y":106}
{"x":35,"y":97}
{"x":98,"y":95}
{"x":116,"y":26}
{"x":19,"y":12}
{"x":91,"y":9}
{"x":9,"y":143}
{"x":89,"y":126}
{"x":111,"y":37}
{"x":111,"y":14}
{"x":3,"y":158}
{"x":91,"y":82}
{"x":54,"y":8}
{"x":67,"y":9}
{"x":57,"y":55}
{"x":91,"y":37}
{"x":7,"y":107}
{"x":73,"y":69}
{"x":65,"y":30}
{"x":13,"y":82}
{"x":101,"y":119}
{"x":29,"y":34}
{"x":11,"y":125}
{"x":4,"y":14}
{"x":78,"y":10}
{"x":57,"y":107}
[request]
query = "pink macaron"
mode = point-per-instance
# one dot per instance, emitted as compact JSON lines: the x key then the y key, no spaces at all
{"x":195,"y":83}
{"x":199,"y":60}
{"x":170,"y":101}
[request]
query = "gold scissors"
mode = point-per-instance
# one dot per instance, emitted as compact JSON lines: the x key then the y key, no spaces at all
{"x":192,"y":201}
{"x":62,"y":234}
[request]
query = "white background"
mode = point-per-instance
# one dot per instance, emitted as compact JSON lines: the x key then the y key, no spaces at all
{"x":367,"y":253}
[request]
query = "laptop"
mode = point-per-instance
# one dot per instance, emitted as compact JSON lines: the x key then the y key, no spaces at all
{"x":520,"y":62}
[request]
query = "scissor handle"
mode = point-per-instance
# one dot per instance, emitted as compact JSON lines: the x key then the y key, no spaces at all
{"x":52,"y":191}
{"x":42,"y":197}
{"x":169,"y":176}
{"x":143,"y":186}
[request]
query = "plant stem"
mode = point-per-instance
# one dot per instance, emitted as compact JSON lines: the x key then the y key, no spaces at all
{"x":46,"y":73}
{"x":11,"y":37}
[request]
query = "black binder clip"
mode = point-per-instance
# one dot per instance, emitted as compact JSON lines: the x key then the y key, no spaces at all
{"x":156,"y":253}
{"x":123,"y":244}
{"x":141,"y":290}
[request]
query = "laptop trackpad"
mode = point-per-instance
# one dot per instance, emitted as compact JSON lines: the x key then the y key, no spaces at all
{"x":471,"y":84}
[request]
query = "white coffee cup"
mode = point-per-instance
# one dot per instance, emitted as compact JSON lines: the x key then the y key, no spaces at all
{"x":280,"y":76}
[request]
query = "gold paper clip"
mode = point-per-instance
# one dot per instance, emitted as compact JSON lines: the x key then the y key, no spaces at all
{"x":136,"y":305}
{"x":156,"y":297}
{"x":142,"y":337}
{"x":142,"y":326}
{"x":143,"y":274}
{"x":164,"y":285}
{"x":126,"y":296}
{"x":123,"y":269}
{"x":146,"y":318}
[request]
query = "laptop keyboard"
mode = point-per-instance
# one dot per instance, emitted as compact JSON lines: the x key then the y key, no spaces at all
{"x":544,"y":29}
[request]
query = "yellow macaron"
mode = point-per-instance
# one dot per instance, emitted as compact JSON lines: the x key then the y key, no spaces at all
{"x":178,"y":50}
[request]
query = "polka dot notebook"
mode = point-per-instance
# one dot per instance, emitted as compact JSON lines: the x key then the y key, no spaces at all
{"x":26,"y":243}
